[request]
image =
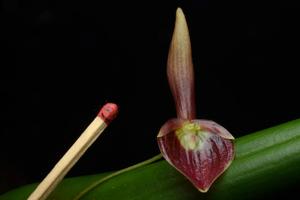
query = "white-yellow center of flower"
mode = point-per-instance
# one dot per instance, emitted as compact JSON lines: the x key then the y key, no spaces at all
{"x":191,"y":137}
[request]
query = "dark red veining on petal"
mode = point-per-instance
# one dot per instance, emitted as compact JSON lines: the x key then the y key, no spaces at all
{"x":108,"y":112}
{"x":202,"y":167}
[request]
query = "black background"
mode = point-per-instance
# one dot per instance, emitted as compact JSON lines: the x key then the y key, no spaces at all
{"x":62,"y":60}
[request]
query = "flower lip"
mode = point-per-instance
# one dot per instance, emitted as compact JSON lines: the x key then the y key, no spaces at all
{"x":196,"y":152}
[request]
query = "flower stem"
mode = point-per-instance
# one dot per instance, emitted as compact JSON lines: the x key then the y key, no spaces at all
{"x":106,"y":178}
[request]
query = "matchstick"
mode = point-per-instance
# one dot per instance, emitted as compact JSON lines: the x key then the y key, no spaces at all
{"x":107,"y":113}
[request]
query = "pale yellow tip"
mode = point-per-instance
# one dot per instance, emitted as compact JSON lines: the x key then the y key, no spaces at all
{"x":181,"y":32}
{"x":179,"y":14}
{"x":179,"y":11}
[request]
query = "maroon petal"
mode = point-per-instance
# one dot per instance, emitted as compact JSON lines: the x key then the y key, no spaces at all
{"x":199,"y":153}
{"x":170,"y":125}
{"x":180,"y":69}
{"x":212,"y":126}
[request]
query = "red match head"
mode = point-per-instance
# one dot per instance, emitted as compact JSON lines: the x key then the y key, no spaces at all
{"x":108,"y":112}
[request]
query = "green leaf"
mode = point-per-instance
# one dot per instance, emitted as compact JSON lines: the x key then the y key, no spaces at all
{"x":67,"y":189}
{"x":266,"y":161}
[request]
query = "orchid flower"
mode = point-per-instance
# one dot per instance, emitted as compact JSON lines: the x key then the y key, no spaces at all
{"x":200,"y":149}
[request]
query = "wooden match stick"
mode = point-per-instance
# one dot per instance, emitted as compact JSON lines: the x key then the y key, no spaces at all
{"x":107,"y":113}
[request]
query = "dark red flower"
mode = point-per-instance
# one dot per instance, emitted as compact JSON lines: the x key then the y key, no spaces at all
{"x":200,"y":149}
